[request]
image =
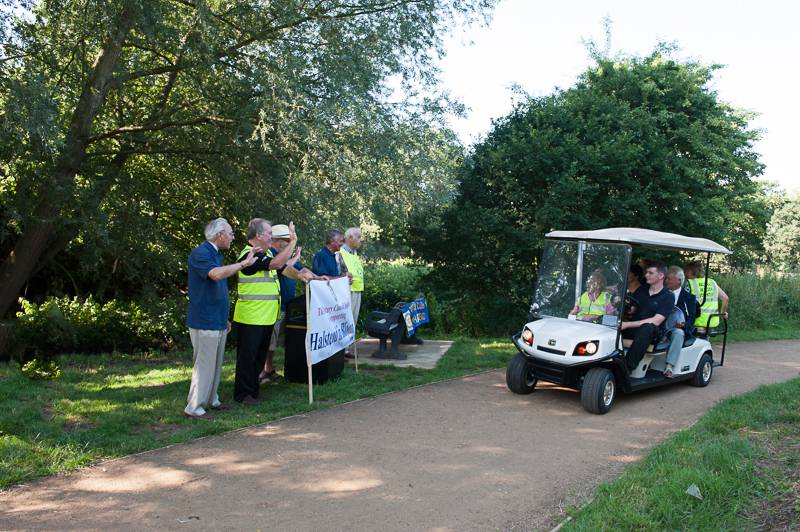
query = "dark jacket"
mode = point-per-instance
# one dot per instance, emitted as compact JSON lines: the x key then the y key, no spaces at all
{"x":687,"y":303}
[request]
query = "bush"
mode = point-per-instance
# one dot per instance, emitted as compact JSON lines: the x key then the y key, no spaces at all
{"x":761,"y":301}
{"x":66,"y":324}
{"x":386,"y":283}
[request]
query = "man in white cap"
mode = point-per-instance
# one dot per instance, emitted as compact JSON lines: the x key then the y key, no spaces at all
{"x":288,"y":278}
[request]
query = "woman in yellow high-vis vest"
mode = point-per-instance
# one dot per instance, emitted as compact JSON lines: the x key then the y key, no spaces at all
{"x":257,"y":307}
{"x":595,"y":302}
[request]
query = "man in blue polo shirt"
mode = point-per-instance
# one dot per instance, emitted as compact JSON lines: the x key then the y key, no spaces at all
{"x":655,"y":304}
{"x":207,"y":318}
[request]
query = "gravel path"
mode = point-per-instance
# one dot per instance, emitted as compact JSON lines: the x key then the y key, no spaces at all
{"x":459,"y":455}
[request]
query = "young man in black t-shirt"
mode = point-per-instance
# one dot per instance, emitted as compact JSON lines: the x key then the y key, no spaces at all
{"x":655,"y":304}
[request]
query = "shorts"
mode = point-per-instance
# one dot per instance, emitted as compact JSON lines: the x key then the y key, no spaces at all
{"x":278,"y":332}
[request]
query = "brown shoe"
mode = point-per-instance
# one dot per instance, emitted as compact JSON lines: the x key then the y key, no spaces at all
{"x":205,"y":416}
{"x":249,"y":401}
{"x":220,"y":407}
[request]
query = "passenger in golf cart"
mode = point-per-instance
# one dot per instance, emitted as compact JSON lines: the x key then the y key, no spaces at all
{"x":655,"y":304}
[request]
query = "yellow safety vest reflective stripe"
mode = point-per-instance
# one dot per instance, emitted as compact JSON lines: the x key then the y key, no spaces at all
{"x":596,"y":308}
{"x":259,"y":301}
{"x":698,"y":287}
{"x":354,"y":266}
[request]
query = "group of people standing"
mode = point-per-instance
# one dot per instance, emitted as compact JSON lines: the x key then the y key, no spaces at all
{"x":268,"y":269}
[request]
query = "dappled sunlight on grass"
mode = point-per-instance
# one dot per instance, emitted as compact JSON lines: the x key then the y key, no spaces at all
{"x":112,"y":405}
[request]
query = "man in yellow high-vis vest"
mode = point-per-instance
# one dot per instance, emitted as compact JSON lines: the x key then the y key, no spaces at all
{"x":713,"y":299}
{"x":257,"y":307}
{"x":352,"y":261}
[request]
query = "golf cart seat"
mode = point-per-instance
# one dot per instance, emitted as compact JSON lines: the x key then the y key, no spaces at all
{"x":387,"y":326}
{"x":652,"y":348}
{"x":653,"y":351}
{"x":662,"y":345}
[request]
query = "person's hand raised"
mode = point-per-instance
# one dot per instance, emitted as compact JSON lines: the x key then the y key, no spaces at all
{"x":292,"y":233}
{"x":293,"y":260}
{"x":251,"y":257}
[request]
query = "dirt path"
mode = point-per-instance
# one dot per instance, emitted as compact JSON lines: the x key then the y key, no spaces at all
{"x":460,"y":455}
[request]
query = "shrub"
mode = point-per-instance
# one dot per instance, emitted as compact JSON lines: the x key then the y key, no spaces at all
{"x":66,"y":324}
{"x":387,"y":283}
{"x":760,"y":301}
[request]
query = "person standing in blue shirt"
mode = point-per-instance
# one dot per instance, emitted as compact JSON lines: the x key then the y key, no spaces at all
{"x":207,"y":317}
{"x":327,"y":261}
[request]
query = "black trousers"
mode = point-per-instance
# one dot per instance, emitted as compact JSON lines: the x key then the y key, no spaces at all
{"x":252,"y":342}
{"x":642,"y":337}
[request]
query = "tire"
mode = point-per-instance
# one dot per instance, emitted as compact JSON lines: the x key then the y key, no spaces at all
{"x":599,"y":390}
{"x":702,"y":375}
{"x":519,"y":375}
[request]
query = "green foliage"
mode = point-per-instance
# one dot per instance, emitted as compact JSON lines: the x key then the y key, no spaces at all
{"x":762,"y":301}
{"x":783,"y":236}
{"x":125,"y":126}
{"x":65,"y":325}
{"x":640,"y":142}
{"x":41,"y":369}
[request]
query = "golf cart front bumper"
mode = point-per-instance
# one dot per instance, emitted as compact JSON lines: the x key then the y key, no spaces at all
{"x":567,"y":375}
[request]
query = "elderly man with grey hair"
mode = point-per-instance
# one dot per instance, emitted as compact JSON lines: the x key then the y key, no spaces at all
{"x":680,"y":323}
{"x":207,"y":317}
{"x":353,"y":264}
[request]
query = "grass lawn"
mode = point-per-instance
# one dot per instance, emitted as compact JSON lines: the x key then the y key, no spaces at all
{"x":109,"y":406}
{"x":743,"y":455}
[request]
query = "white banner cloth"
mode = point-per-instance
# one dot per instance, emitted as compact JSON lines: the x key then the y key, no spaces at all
{"x":330,"y":319}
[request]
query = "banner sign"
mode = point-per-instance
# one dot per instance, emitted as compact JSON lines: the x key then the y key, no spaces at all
{"x":415,"y":314}
{"x":330,"y":319}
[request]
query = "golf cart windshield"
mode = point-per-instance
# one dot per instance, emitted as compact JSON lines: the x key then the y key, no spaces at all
{"x":582,"y":280}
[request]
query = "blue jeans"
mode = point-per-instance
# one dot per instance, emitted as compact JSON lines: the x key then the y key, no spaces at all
{"x":677,"y":336}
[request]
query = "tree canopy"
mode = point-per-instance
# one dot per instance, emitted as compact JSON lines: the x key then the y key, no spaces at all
{"x":638,"y":141}
{"x":783,"y":235}
{"x":126,"y":124}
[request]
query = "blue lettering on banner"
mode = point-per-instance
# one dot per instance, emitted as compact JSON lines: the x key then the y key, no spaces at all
{"x":322,"y":340}
{"x":415,"y":314}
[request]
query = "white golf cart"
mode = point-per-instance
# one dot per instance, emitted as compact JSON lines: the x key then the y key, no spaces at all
{"x":587,"y":353}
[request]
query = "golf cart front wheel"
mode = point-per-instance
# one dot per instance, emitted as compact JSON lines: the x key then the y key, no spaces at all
{"x":599,"y":390}
{"x":702,"y":375}
{"x":519,"y":375}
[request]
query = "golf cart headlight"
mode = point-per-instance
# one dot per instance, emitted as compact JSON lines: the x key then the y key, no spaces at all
{"x":527,"y":337}
{"x":585,"y":349}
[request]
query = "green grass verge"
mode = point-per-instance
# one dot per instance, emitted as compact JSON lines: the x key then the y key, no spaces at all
{"x":779,"y":331}
{"x":743,"y":455}
{"x":109,"y":406}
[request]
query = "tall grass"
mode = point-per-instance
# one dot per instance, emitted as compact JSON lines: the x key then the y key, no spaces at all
{"x":762,"y":301}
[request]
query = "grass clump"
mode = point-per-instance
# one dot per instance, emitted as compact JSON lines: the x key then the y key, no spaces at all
{"x":742,"y":455}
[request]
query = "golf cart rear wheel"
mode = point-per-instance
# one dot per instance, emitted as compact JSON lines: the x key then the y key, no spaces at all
{"x":599,"y":390}
{"x":519,"y":375}
{"x":702,"y":375}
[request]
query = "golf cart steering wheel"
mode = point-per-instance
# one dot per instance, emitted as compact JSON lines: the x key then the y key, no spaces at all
{"x":631,"y":306}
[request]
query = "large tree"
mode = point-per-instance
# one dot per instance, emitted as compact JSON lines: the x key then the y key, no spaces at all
{"x":783,"y":235}
{"x":126,"y":116}
{"x":639,"y":142}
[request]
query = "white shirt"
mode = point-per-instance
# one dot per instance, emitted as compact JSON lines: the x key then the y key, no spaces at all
{"x":677,"y":293}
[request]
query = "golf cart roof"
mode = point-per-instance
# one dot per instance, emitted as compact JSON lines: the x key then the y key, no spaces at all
{"x":642,"y":237}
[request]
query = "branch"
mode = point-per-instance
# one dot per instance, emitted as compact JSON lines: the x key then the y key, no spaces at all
{"x":126,"y":130}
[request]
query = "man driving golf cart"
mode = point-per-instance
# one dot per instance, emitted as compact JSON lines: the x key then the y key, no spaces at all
{"x":584,"y":347}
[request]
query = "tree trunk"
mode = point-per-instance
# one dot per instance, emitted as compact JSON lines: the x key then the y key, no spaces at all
{"x":23,"y":259}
